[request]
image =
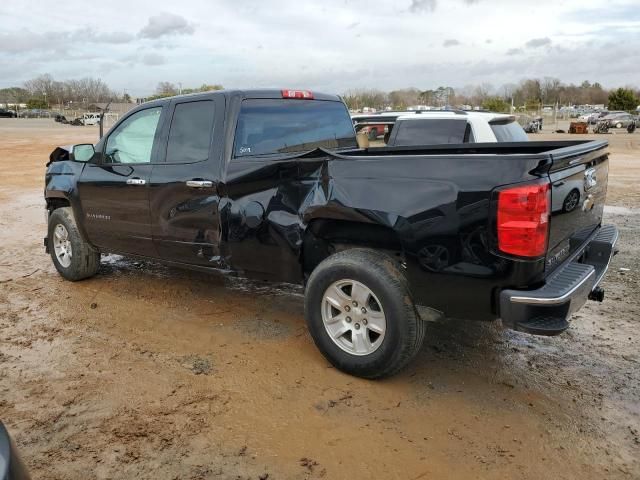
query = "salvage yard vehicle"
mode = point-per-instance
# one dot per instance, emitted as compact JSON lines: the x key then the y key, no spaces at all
{"x":433,"y":127}
{"x":455,"y":126}
{"x":6,"y":113}
{"x":619,"y":120}
{"x":270,"y":184}
{"x":90,"y":119}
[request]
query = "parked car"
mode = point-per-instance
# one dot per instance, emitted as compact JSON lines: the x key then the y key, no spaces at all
{"x":375,"y":131}
{"x":619,"y":120}
{"x":597,"y":116}
{"x":377,"y":124}
{"x":90,"y":119}
{"x":35,"y":113}
{"x":270,"y":184}
{"x":6,"y":113}
{"x":441,"y":127}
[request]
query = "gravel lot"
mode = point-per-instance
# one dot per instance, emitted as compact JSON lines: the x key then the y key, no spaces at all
{"x":150,"y":372}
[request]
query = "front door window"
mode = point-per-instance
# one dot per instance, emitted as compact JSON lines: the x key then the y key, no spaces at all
{"x":132,"y":140}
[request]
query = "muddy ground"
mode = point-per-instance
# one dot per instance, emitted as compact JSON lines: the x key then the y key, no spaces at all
{"x":149,"y":372}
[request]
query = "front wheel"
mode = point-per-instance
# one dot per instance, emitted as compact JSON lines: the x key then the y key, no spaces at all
{"x":618,"y":125}
{"x":361,"y":315}
{"x":74,"y":258}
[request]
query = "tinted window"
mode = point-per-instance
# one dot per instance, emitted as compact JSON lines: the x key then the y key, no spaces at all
{"x":509,"y":132}
{"x":431,"y":131}
{"x":190,"y":134}
{"x":132,"y":140}
{"x":283,"y":126}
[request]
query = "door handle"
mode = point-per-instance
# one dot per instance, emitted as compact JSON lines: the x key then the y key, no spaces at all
{"x":136,"y":181}
{"x":199,"y":183}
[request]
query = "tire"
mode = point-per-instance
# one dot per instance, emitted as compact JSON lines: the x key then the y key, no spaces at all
{"x":373,"y":134}
{"x":571,"y":201}
{"x":618,"y":125}
{"x":388,"y":297}
{"x":84,"y":260}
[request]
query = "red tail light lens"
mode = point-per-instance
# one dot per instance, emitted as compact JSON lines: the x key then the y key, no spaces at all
{"x":523,"y":219}
{"x":301,"y":94}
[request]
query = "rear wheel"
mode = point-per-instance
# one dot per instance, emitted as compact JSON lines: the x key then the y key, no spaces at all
{"x":618,"y":125}
{"x":360,"y":313}
{"x":73,"y":257}
{"x":373,"y":134}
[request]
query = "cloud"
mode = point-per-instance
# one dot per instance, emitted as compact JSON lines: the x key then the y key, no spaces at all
{"x":25,"y":41}
{"x":418,"y":6}
{"x":172,"y":45}
{"x":153,"y":59}
{"x":89,"y":35}
{"x":538,"y":42}
{"x":166,"y":24}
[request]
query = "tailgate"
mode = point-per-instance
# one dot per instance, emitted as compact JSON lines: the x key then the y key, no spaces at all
{"x":578,"y":178}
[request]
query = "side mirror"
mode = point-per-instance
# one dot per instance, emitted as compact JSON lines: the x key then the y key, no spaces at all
{"x":82,"y":153}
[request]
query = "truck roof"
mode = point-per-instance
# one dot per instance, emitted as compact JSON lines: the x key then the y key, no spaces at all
{"x":252,"y":93}
{"x":441,"y":114}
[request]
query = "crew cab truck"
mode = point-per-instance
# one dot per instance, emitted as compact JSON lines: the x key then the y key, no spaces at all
{"x":271,"y":184}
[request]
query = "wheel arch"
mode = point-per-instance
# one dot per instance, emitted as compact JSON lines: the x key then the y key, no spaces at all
{"x":56,"y":199}
{"x":325,"y":236}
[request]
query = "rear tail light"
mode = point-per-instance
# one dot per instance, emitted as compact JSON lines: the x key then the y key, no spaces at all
{"x":523,"y":219}
{"x":301,"y":94}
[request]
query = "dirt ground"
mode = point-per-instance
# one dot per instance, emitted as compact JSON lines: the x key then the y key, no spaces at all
{"x":150,"y":372}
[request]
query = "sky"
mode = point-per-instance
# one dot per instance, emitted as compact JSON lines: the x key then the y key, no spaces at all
{"x":328,"y":45}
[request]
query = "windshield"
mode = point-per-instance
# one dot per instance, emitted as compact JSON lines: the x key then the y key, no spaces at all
{"x":267,"y":126}
{"x":509,"y":132}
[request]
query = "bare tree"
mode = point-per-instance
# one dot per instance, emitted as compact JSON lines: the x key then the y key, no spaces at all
{"x":166,"y":89}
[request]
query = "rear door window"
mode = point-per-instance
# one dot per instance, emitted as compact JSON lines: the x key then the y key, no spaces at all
{"x":275,"y":126}
{"x":434,"y":131}
{"x":190,"y":133}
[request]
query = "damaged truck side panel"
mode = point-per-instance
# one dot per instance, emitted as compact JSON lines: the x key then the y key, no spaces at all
{"x":271,"y":184}
{"x":306,"y":208}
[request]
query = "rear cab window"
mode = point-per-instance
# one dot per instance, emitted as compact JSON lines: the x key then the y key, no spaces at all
{"x":509,"y":131}
{"x":282,"y":126}
{"x":431,"y":131}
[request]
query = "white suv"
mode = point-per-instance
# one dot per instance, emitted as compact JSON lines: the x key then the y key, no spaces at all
{"x":90,"y":119}
{"x":454,"y":126}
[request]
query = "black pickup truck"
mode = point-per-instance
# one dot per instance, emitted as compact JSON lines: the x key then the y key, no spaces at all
{"x":271,"y":184}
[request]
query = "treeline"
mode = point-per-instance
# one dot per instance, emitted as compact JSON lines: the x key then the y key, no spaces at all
{"x":44,"y":91}
{"x":168,"y":89}
{"x":529,"y":94}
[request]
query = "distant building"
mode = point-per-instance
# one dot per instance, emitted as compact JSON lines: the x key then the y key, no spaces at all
{"x":13,"y":105}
